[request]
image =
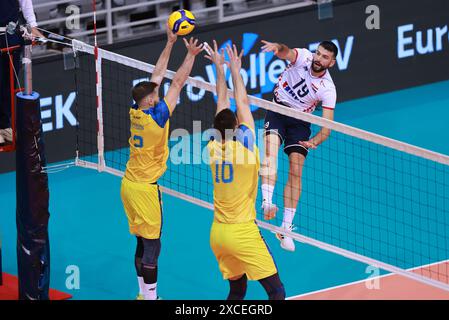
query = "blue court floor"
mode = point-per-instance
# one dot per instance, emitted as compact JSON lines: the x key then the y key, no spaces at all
{"x":88,"y":229}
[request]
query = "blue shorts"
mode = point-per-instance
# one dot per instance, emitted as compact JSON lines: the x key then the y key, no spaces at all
{"x":289,"y":130}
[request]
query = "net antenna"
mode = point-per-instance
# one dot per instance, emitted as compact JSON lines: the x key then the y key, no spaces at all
{"x":369,"y":198}
{"x":100,"y":133}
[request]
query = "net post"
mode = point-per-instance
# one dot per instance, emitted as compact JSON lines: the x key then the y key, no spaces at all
{"x":32,"y":193}
{"x":28,"y":70}
{"x":13,"y":103}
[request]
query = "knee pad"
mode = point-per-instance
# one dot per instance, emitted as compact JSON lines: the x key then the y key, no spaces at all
{"x":274,"y":287}
{"x":151,"y":251}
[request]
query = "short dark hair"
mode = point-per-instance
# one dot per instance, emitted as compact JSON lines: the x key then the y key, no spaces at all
{"x":143,"y":89}
{"x":224,"y":120}
{"x":330,"y":46}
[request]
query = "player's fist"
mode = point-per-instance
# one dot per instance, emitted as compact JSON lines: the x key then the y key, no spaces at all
{"x":308,"y":144}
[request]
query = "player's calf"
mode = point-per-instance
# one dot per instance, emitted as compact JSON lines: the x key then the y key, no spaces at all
{"x":237,"y":288}
{"x":274,"y":287}
{"x":152,"y":248}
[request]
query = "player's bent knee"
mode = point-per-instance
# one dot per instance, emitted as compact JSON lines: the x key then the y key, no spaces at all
{"x":152,"y":248}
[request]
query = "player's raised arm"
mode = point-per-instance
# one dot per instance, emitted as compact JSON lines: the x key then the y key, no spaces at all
{"x":222,"y":90}
{"x":280,"y":50}
{"x":193,"y":49}
{"x":162,"y":62}
{"x":241,"y":97}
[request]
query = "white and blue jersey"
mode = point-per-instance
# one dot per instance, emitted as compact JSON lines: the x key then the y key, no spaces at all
{"x":297,"y":88}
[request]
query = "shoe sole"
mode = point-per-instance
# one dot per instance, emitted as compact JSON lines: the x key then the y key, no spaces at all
{"x":287,"y":249}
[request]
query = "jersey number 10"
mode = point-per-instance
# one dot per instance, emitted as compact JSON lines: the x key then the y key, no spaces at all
{"x":227,"y":172}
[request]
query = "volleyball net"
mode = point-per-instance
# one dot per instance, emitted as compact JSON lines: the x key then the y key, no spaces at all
{"x":364,"y":196}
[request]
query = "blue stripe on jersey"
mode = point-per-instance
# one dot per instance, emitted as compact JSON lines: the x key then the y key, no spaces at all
{"x":268,"y":248}
{"x":160,"y":113}
{"x":245,"y":136}
{"x":162,"y":212}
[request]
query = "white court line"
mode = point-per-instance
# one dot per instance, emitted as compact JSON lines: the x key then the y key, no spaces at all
{"x":363,"y":280}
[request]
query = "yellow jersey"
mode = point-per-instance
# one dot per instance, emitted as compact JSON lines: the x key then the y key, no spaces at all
{"x":235,"y":173}
{"x":148,"y":143}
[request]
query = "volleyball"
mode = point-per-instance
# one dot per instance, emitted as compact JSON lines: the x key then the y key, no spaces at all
{"x":181,"y":22}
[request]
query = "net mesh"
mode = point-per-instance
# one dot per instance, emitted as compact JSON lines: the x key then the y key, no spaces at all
{"x":365,"y":196}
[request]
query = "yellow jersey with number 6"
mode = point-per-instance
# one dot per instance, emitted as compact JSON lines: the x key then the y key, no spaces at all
{"x":148,"y":143}
{"x":235,"y":173}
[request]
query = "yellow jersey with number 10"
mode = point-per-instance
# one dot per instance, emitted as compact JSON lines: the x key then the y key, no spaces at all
{"x":235,"y":173}
{"x":148,"y":143}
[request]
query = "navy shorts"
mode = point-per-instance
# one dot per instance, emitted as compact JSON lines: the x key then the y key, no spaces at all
{"x":289,"y":130}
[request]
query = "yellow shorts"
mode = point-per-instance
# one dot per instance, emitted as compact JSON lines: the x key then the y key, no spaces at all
{"x":143,"y":206}
{"x":240,"y":249}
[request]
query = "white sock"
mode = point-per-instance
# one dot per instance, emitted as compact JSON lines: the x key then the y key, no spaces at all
{"x":150,"y":291}
{"x":141,"y":285}
{"x":289,"y":214}
{"x":267,"y":192}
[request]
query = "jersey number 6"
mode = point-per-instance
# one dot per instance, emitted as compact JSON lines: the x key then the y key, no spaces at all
{"x":227,"y":172}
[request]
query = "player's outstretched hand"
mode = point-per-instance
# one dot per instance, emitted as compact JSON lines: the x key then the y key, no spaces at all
{"x":171,"y":36}
{"x":192,"y":46}
{"x":308,"y":144}
{"x":271,"y":47}
{"x":235,"y":59}
{"x":214,"y":55}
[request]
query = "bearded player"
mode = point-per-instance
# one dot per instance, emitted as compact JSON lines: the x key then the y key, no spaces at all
{"x":149,"y":152}
{"x":304,"y":84}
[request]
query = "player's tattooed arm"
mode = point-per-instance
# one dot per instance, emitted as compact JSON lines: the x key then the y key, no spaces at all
{"x":281,"y":50}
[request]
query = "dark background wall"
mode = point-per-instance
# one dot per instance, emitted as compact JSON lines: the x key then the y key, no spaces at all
{"x":370,"y":62}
